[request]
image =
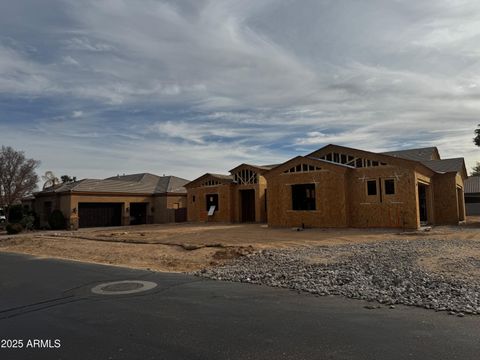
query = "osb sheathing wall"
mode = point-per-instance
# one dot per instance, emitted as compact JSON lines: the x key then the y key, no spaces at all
{"x":381,"y":210}
{"x":341,"y":196}
{"x":330,"y":196}
{"x":446,"y":202}
{"x":259,"y":188}
{"x":197,"y":210}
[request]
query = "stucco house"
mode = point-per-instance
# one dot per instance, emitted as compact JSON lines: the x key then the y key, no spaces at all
{"x":337,"y":186}
{"x":120,"y":200}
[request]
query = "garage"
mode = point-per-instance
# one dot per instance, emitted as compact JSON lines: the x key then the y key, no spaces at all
{"x":472,"y":195}
{"x":99,"y":214}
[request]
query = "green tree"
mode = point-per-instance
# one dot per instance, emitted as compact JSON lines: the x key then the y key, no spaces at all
{"x":476,"y":170}
{"x":476,"y":139}
{"x":67,"y":179}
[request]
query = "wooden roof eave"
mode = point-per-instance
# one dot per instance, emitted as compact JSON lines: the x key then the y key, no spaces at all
{"x":259,"y":169}
{"x":205,"y":176}
{"x":307,"y":160}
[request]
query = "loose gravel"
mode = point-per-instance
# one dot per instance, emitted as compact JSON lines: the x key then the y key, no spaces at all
{"x":388,"y":272}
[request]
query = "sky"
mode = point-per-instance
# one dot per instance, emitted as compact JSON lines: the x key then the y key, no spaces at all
{"x":98,"y":88}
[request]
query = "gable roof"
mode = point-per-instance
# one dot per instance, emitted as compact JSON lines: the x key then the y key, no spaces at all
{"x":419,"y":154}
{"x":329,"y":162}
{"x":308,"y":160}
{"x":428,"y":158}
{"x":270,"y":166}
{"x":222,"y":177}
{"x":472,"y":185}
{"x":374,"y":155}
{"x":260,"y":167}
{"x":143,"y":183}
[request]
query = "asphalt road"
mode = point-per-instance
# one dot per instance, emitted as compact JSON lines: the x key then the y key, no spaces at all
{"x":189,"y":318}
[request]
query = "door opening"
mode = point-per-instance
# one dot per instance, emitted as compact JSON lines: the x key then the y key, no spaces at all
{"x":461,"y":204}
{"x":138,"y":213}
{"x":247,"y":205}
{"x":422,"y":203}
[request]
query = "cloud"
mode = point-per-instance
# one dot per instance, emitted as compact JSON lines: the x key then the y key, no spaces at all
{"x":21,"y":76}
{"x":77,"y":114}
{"x":198,"y":85}
{"x":68,"y":60}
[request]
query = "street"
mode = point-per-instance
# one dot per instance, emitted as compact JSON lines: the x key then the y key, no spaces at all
{"x":185,"y":317}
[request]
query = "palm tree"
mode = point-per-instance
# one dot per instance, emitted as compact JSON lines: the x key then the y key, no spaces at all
{"x":50,"y":179}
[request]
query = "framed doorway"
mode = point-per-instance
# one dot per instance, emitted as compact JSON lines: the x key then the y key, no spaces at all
{"x":247,"y":205}
{"x":423,"y":193}
{"x":138,"y":213}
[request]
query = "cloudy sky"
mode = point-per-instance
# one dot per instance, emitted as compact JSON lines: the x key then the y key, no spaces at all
{"x":97,"y":88}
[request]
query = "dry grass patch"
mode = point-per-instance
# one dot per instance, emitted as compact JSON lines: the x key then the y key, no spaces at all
{"x":190,"y":247}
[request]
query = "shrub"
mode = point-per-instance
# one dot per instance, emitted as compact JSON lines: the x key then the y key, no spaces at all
{"x":56,"y":220}
{"x":14,"y":228}
{"x":15,"y":214}
{"x":28,"y":222}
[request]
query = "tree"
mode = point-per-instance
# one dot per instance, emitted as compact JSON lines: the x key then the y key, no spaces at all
{"x":49,"y":179}
{"x":67,"y":179}
{"x":476,"y":139}
{"x":476,"y":170}
{"x":17,"y":176}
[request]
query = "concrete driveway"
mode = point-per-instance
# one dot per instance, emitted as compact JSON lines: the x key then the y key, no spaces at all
{"x":185,"y":317}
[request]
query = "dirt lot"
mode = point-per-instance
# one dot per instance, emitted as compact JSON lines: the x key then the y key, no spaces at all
{"x":189,"y":247}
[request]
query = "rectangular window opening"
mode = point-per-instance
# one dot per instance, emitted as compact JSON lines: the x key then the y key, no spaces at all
{"x":389,"y":187}
{"x":372,"y":187}
{"x":303,"y":197}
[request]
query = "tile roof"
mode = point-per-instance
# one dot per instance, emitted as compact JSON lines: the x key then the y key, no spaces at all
{"x":420,"y":154}
{"x":143,"y":183}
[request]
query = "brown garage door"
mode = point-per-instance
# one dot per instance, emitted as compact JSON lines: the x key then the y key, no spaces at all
{"x":99,"y":214}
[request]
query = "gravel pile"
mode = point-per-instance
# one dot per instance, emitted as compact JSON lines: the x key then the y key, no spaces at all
{"x":387,"y":272}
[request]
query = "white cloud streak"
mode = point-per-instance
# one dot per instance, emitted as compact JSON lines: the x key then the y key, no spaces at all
{"x":226,"y":81}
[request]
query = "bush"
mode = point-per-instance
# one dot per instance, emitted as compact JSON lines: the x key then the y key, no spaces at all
{"x":15,"y":214}
{"x":56,"y":220}
{"x":36,"y":219}
{"x":14,"y":229}
{"x":28,"y":222}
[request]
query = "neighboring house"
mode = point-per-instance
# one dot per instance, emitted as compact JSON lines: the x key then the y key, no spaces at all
{"x":472,"y":195}
{"x":337,"y":186}
{"x":120,"y":200}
